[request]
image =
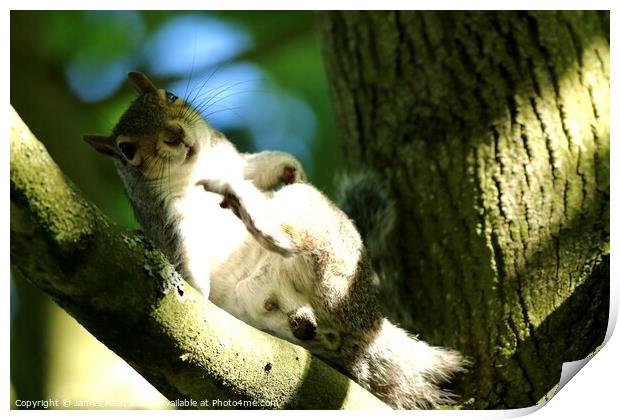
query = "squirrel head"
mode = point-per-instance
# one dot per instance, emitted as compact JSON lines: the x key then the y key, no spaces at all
{"x":158,"y":132}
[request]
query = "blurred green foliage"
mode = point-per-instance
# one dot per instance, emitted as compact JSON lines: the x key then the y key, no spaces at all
{"x":65,"y":68}
{"x":47,"y":47}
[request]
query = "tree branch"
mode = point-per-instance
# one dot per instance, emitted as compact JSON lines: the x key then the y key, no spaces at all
{"x":122,"y":290}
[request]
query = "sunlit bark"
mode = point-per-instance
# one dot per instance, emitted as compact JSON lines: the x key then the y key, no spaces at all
{"x":492,"y":131}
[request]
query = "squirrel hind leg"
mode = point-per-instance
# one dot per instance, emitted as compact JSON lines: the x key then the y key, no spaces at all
{"x":251,"y":207}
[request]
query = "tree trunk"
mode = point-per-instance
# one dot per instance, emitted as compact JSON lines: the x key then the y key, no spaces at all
{"x":491,"y":130}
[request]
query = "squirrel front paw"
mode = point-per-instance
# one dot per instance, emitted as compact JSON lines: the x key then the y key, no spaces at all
{"x":269,"y":170}
{"x":215,"y":186}
{"x":251,"y":207}
{"x":229,"y":198}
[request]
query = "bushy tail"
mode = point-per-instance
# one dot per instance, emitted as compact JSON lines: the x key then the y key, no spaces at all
{"x":405,"y":372}
{"x":364,"y":198}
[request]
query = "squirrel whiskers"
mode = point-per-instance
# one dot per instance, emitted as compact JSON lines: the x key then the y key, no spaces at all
{"x":285,"y":260}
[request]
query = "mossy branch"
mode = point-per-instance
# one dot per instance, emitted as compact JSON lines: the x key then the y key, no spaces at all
{"x":124,"y":292}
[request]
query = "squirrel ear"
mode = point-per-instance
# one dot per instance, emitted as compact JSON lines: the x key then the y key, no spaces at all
{"x":102,"y":144}
{"x":142,"y":83}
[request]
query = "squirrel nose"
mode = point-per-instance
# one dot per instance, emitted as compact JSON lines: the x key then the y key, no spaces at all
{"x":303,"y":325}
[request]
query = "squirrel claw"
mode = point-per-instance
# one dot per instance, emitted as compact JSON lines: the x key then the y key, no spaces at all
{"x":214,"y":186}
{"x":288,"y":174}
{"x":225,"y":203}
{"x":229,"y":200}
{"x":204,"y":184}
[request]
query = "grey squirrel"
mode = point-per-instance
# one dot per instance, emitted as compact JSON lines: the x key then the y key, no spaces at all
{"x":287,"y":261}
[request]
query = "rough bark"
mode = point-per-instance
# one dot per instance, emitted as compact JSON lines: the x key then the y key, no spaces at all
{"x":491,"y":130}
{"x":130,"y":298}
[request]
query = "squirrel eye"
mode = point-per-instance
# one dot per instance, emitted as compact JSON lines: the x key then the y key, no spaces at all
{"x":127,"y":149}
{"x":171,"y":97}
{"x":173,"y":141}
